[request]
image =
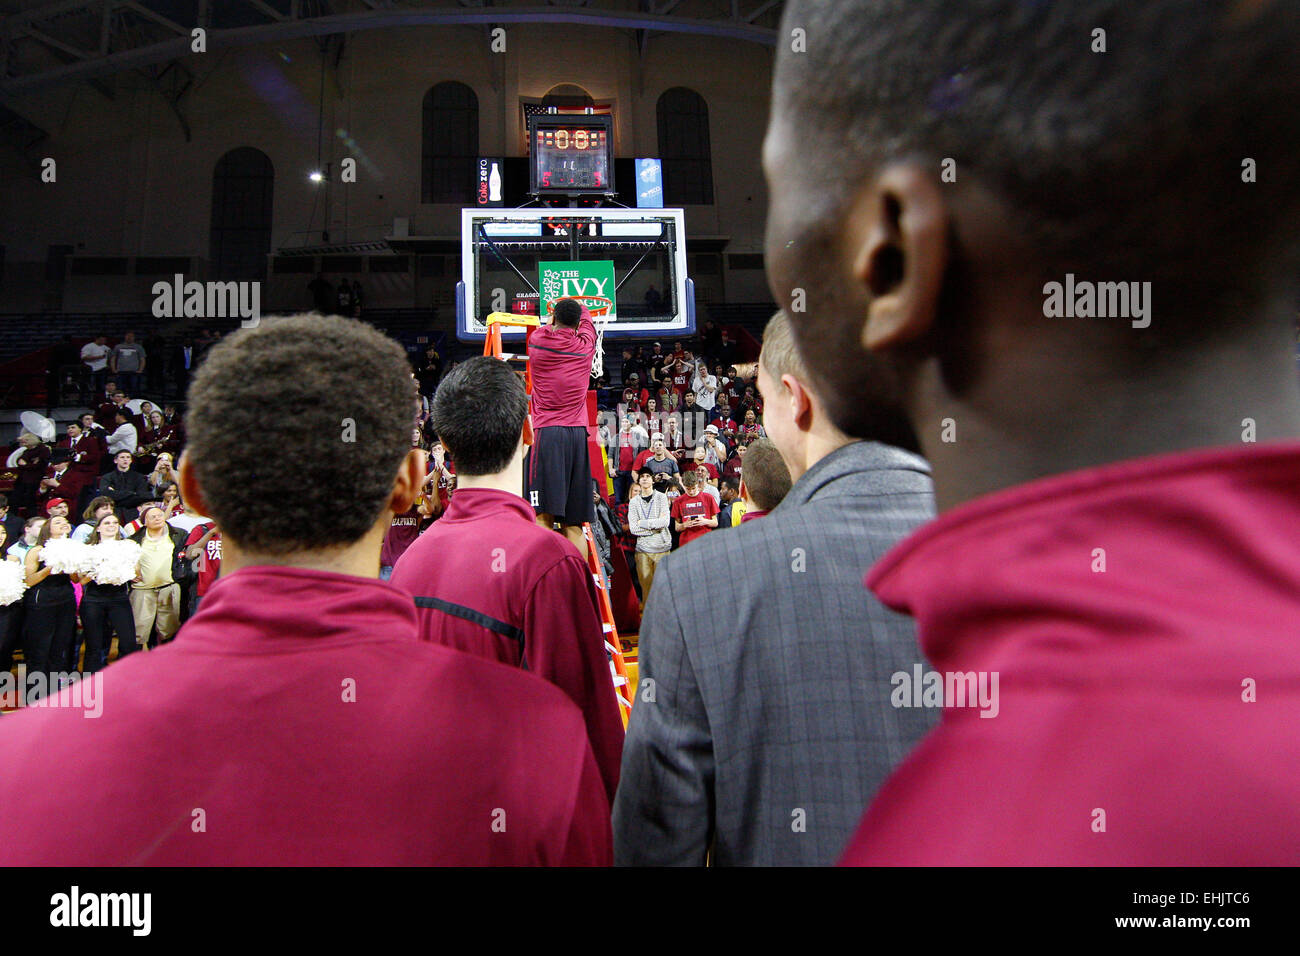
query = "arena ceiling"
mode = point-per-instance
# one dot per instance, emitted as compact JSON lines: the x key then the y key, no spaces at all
{"x":46,"y":43}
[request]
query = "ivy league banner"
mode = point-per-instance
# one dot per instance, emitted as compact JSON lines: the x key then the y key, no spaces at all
{"x":590,"y":281}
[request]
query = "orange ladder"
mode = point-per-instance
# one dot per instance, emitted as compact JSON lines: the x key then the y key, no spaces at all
{"x":492,"y":346}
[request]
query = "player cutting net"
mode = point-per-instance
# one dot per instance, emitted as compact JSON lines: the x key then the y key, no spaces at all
{"x":558,"y":470}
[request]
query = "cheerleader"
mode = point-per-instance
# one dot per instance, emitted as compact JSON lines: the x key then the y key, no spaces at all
{"x":105,"y":606}
{"x":49,"y":607}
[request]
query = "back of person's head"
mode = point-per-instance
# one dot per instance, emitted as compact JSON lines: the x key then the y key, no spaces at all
{"x":1115,"y":140}
{"x":1126,"y":158}
{"x":767,"y":479}
{"x":299,"y":410}
{"x":779,"y":355}
{"x":479,"y":412}
{"x":567,"y":312}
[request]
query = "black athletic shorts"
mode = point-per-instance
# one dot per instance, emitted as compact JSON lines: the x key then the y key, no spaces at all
{"x":557,"y":474}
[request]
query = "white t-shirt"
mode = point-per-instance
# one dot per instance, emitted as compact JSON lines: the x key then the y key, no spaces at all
{"x":96,"y":356}
{"x":124,"y":439}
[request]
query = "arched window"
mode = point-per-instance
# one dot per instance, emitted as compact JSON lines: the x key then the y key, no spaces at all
{"x":240,"y":237}
{"x":450,"y":156}
{"x":684,"y":148}
{"x":568,"y":96}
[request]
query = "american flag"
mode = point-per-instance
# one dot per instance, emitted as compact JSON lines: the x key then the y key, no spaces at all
{"x":533,"y":107}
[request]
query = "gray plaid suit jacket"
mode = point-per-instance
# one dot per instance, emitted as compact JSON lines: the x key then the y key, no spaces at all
{"x":767,"y":727}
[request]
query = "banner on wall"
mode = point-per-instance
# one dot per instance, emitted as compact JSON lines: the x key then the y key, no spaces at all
{"x":590,"y":281}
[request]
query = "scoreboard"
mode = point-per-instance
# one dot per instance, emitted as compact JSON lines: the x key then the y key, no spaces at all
{"x":571,"y":155}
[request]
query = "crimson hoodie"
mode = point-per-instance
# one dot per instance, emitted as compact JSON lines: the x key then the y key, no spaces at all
{"x":488,"y":580}
{"x":560,"y":360}
{"x":298,"y":720}
{"x":1141,"y":618}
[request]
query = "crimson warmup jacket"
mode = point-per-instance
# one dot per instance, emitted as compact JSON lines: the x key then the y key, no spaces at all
{"x":1141,"y":620}
{"x":298,"y":720}
{"x":488,"y":580}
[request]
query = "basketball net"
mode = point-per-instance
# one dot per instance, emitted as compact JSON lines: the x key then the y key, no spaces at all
{"x":599,"y":319}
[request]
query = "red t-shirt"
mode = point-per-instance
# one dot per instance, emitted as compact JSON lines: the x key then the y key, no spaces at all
{"x":688,"y":506}
{"x":210,"y":567}
{"x":402,"y":532}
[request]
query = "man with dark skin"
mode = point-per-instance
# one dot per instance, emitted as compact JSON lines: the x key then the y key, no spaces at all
{"x":983,"y":155}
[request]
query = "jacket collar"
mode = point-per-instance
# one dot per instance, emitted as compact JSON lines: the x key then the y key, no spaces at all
{"x":853,"y":459}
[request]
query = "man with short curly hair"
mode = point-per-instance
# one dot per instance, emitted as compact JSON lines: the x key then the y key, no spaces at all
{"x":298,"y":708}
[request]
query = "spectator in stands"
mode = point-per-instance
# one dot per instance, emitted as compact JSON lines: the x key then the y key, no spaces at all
{"x":715,"y":449}
{"x":710,"y":339}
{"x":694,"y":513}
{"x":31,"y":466}
{"x":91,"y":517}
{"x":10,"y":615}
{"x":402,"y":533}
{"x":106,"y":410}
{"x":128,"y":489}
{"x":356,"y":298}
{"x":708,"y":485}
{"x":156,"y":595}
{"x":630,"y":441}
{"x":443,"y":739}
{"x":723,"y":422}
{"x":105,"y":608}
{"x":343,"y":299}
{"x":429,"y":372}
{"x":87,"y":451}
{"x":124,"y":437}
{"x":694,"y":418}
{"x":728,"y":352}
{"x":517,"y":593}
{"x":163,"y":475}
{"x":767,"y":479}
{"x":322,"y":295}
{"x":94,"y":355}
{"x":31,"y":529}
{"x":648,"y":518}
{"x":127,"y":361}
{"x":60,"y":483}
{"x":632,"y":365}
{"x":49,"y":612}
{"x":640,"y":395}
{"x":700,"y":459}
{"x":750,"y":429}
{"x":203,"y":547}
{"x":13,"y":523}
{"x":705,"y":387}
{"x":674,"y":440}
{"x":731,"y":506}
{"x":661,"y":466}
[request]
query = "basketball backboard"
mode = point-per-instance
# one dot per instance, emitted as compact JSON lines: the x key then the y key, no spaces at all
{"x":504,"y":253}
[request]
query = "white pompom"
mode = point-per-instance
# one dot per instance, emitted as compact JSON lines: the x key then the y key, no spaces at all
{"x":13,"y":582}
{"x":115,"y":562}
{"x":63,"y":555}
